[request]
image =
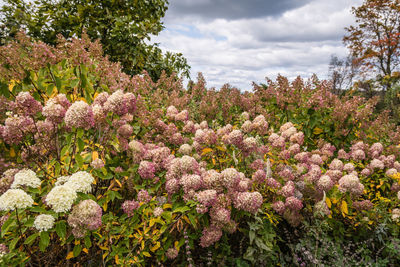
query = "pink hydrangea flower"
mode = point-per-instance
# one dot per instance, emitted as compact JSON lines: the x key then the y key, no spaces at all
{"x":97,"y":164}
{"x":85,"y":216}
{"x":248,"y":201}
{"x":27,"y":104}
{"x":210,"y":235}
{"x":207,"y":197}
{"x":279,"y":207}
{"x":259,"y":176}
{"x":79,"y":115}
{"x":297,"y":138}
{"x":129,"y":207}
{"x":143,"y":196}
{"x":172,"y":253}
{"x":293,"y":203}
{"x":377,"y":164}
{"x":146,"y":169}
{"x":336,"y":164}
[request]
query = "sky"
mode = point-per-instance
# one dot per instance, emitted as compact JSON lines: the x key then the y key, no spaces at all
{"x":243,"y":41}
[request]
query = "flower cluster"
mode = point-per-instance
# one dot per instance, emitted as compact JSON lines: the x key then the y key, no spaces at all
{"x":25,"y":177}
{"x":85,"y":216}
{"x":15,"y":199}
{"x":79,"y":115}
{"x":44,"y":222}
{"x":60,"y":198}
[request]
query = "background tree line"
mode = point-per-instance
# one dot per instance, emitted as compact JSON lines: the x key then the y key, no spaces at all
{"x":372,"y":66}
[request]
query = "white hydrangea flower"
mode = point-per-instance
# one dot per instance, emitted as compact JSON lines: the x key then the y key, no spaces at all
{"x":15,"y":198}
{"x":26,"y":177}
{"x":158,"y":211}
{"x":61,"y":198}
{"x":396,"y":215}
{"x":81,"y":182}
{"x":185,"y":149}
{"x":44,"y":222}
{"x":61,"y":180}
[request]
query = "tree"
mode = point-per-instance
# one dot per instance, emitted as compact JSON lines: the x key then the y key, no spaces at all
{"x":342,"y":72}
{"x":123,"y":26}
{"x":375,"y":39}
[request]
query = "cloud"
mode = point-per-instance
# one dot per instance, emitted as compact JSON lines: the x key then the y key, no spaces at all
{"x":232,"y":9}
{"x":297,"y":41}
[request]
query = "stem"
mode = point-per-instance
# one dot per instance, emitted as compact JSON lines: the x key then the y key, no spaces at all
{"x":74,"y":149}
{"x":57,"y":145}
{"x":20,"y":233}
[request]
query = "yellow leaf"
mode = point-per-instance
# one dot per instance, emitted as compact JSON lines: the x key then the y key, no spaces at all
{"x":156,"y":246}
{"x":142,"y":244}
{"x":328,"y":202}
{"x":186,"y":219}
{"x":118,"y":182}
{"x":77,"y":242}
{"x":116,"y":259}
{"x":167,"y":206}
{"x":103,"y":248}
{"x":85,"y":250}
{"x":105,"y":255}
{"x":344,"y":207}
{"x":105,"y":206}
{"x":221,"y":148}
{"x":176,"y":244}
{"x":317,"y":131}
{"x":70,"y":255}
{"x":12,"y":153}
{"x":95,"y":155}
{"x":206,"y":150}
{"x":145,"y":253}
{"x":152,"y":222}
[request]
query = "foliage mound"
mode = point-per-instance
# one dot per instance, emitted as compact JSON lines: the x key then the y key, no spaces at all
{"x":99,"y":168}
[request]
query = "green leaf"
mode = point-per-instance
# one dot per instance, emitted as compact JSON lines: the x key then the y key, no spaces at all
{"x":49,"y":89}
{"x":167,"y":215}
{"x":88,"y":243}
{"x":58,"y":83}
{"x":74,"y":83}
{"x":77,"y":250}
{"x":6,"y":226}
{"x":181,"y":209}
{"x":57,"y":168}
{"x":81,"y":144}
{"x":37,"y":209}
{"x":80,"y":133}
{"x":79,"y":160}
{"x":29,"y":240}
{"x":44,"y":240}
{"x":13,"y":243}
{"x":4,"y":90}
{"x":252,"y":235}
{"x":61,"y":229}
{"x":64,"y":150}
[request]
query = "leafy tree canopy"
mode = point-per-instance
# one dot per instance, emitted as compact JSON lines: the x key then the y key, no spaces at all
{"x":375,"y":39}
{"x":123,"y":26}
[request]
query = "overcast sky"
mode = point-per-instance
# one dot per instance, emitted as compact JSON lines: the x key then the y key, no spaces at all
{"x":241,"y":41}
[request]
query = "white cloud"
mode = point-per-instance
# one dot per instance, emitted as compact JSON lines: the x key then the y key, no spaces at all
{"x":298,"y":42}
